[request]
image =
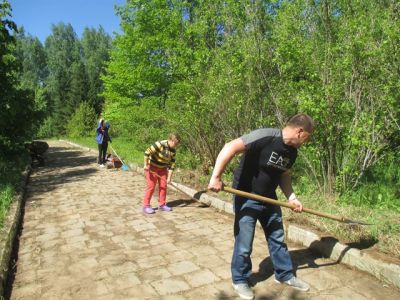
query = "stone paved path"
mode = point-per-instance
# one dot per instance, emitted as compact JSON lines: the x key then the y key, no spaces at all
{"x":84,"y":237}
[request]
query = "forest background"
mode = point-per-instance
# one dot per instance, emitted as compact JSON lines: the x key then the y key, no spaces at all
{"x":212,"y":70}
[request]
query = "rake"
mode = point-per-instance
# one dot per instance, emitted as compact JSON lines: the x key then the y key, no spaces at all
{"x":284,"y":204}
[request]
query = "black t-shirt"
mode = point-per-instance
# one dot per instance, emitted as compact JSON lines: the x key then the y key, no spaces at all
{"x":265,"y":159}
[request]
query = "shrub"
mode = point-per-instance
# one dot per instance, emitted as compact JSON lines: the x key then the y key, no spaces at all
{"x":82,"y":122}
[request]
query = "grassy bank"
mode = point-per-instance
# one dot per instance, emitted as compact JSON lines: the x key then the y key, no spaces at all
{"x":383,"y":235}
{"x":124,"y":148}
{"x":10,"y":180}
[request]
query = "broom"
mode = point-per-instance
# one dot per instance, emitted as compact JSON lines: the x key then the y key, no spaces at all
{"x":124,"y":167}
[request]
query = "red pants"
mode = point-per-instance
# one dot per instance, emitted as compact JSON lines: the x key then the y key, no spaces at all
{"x":152,"y":180}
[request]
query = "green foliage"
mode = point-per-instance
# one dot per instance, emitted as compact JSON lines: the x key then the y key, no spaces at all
{"x":57,"y":76}
{"x":63,"y":54}
{"x":82,"y":121}
{"x":331,"y":59}
{"x":74,"y":71}
{"x":30,"y":53}
{"x":374,"y":195}
{"x":96,"y":45}
{"x":17,"y":109}
{"x":47,"y":129}
{"x":11,"y":168}
{"x":213,"y":70}
{"x":6,"y":197}
{"x":380,"y":188}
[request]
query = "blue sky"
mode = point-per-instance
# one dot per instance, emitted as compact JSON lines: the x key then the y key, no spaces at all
{"x":37,"y":16}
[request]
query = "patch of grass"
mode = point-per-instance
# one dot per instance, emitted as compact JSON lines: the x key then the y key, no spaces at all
{"x":10,"y":179}
{"x":6,"y":197}
{"x":374,"y":195}
{"x":385,"y":228}
{"x":125,"y":149}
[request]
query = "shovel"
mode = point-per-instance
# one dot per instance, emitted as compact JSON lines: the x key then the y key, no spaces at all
{"x":124,"y":166}
{"x":279,"y":203}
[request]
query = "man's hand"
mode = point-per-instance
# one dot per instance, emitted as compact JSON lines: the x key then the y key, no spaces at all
{"x":297,"y":203}
{"x":215,"y":184}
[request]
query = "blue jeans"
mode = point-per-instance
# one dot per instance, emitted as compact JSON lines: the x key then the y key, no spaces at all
{"x":247,"y":212}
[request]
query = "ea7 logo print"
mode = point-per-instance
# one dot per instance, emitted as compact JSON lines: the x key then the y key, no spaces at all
{"x":277,"y":161}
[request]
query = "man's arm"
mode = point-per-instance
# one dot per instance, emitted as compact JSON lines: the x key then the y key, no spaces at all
{"x":287,"y":188}
{"x":224,"y":157}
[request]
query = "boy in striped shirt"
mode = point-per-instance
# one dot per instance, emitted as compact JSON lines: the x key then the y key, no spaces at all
{"x":159,"y":163}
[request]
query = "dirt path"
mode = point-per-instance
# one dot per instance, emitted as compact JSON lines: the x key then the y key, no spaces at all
{"x":84,"y":236}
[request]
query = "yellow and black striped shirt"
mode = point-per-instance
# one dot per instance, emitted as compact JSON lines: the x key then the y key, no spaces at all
{"x":161,"y":155}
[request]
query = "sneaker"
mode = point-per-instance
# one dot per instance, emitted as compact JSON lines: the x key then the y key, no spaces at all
{"x":164,"y":208}
{"x":296,"y":283}
{"x":243,"y":290}
{"x":148,"y":210}
{"x":101,"y":166}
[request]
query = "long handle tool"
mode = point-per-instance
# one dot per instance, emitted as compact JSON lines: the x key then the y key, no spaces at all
{"x":280,"y":203}
{"x":180,"y":190}
{"x":124,"y":167}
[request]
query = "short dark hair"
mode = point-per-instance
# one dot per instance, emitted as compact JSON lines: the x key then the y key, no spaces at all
{"x":301,"y":120}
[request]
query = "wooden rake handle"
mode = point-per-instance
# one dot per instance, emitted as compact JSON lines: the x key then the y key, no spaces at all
{"x":173,"y":185}
{"x":285,"y":204}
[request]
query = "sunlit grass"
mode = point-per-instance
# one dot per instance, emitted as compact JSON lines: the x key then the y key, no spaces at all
{"x":11,"y":172}
{"x":124,"y":148}
{"x":384,"y":228}
{"x":6,"y":196}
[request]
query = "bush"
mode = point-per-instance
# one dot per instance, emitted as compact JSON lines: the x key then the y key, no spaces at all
{"x":47,"y":129}
{"x":82,"y":122}
{"x":380,"y":187}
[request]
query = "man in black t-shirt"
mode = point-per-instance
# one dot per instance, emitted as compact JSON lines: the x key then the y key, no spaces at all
{"x":268,"y":155}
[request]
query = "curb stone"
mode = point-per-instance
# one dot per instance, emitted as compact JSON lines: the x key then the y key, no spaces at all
{"x":329,"y":247}
{"x":9,"y":232}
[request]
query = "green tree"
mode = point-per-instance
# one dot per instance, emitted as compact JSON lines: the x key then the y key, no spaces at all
{"x":81,"y":122}
{"x":17,"y":105}
{"x":64,"y":57}
{"x":32,"y":57}
{"x":30,"y":52}
{"x":214,"y":70}
{"x":332,"y":64}
{"x":96,"y":45}
{"x":140,"y":71}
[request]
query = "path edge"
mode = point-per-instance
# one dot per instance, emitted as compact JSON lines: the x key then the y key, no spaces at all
{"x":10,"y":231}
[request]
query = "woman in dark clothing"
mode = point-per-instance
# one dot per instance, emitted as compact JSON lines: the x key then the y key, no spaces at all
{"x":102,"y":139}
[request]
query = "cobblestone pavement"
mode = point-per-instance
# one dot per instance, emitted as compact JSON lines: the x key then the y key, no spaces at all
{"x":84,"y":236}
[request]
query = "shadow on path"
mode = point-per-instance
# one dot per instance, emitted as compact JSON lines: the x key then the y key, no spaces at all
{"x":186,"y":203}
{"x":305,"y":258}
{"x":64,"y":157}
{"x":47,"y":177}
{"x":61,"y":168}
